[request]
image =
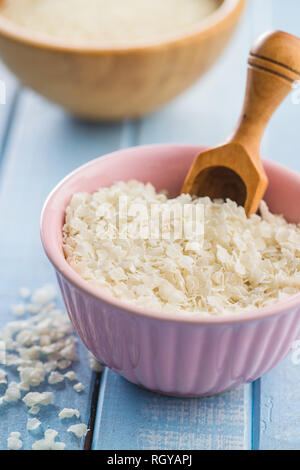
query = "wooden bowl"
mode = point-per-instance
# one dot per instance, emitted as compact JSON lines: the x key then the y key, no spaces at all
{"x":118,"y":82}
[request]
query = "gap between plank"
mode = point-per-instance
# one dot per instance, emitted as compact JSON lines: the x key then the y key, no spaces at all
{"x":95,"y":389}
{"x":256,"y":394}
{"x":100,"y":403}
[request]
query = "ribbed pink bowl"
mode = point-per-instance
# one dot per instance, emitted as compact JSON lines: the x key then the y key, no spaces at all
{"x":173,"y":354}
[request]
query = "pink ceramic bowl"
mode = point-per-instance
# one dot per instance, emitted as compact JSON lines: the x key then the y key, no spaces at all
{"x":173,"y":354}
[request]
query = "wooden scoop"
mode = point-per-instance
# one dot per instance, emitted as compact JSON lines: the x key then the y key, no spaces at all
{"x":234,"y":170}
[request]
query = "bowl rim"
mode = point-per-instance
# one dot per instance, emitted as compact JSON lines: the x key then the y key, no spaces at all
{"x":60,"y":264}
{"x":11,"y":30}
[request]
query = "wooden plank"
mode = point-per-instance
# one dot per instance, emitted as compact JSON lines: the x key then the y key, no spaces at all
{"x":130,"y":418}
{"x":280,"y":407}
{"x":43,"y":145}
{"x":278,"y":415}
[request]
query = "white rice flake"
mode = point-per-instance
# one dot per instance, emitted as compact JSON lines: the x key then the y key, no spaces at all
{"x":44,"y":295}
{"x":34,"y":410}
{"x":31,"y":376}
{"x":33,"y":308}
{"x":69,"y":352}
{"x":12,"y":393}
{"x":67,"y":413}
{"x":55,"y":378}
{"x":3,"y":375}
{"x":79,"y":430}
{"x":36,"y":398}
{"x":18,"y":310}
{"x":38,"y":348}
{"x":71,"y":375}
{"x":79,"y":387}
{"x":33,"y":424}
{"x":24,"y":292}
{"x":49,"y":443}
{"x":64,"y":364}
{"x":14,"y":442}
{"x":240,"y":263}
{"x":109,"y":22}
{"x":94,"y":364}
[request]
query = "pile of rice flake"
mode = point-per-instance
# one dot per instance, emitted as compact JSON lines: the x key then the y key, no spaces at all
{"x":39,"y":348}
{"x":243,"y":263}
{"x":108,"y":22}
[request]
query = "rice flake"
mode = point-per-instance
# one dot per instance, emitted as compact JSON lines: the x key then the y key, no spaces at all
{"x":14,"y":442}
{"x":239,"y":264}
{"x":79,"y":430}
{"x":68,"y":413}
{"x":79,"y":387}
{"x":37,"y":349}
{"x":49,"y":443}
{"x":33,"y":424}
{"x":35,"y":398}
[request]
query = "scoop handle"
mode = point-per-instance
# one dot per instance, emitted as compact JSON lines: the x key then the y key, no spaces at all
{"x":274,"y":67}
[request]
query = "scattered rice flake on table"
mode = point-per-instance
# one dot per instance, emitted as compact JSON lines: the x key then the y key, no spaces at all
{"x":64,"y":364}
{"x":95,"y":364}
{"x":55,"y":378}
{"x":34,"y":410}
{"x":67,"y":413}
{"x":36,"y":398}
{"x":14,"y":442}
{"x":79,"y":387}
{"x":12,"y":393}
{"x":240,"y":263}
{"x":24,"y":292}
{"x":18,"y":310}
{"x":80,"y":430}
{"x":71,"y":375}
{"x":69,"y":351}
{"x":33,"y":308}
{"x":48,"y":443}
{"x":3,"y":377}
{"x":35,"y":347}
{"x":44,"y":294}
{"x":31,"y":376}
{"x":33,"y":424}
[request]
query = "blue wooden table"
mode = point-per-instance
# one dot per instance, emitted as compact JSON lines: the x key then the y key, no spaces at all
{"x":40,"y":144}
